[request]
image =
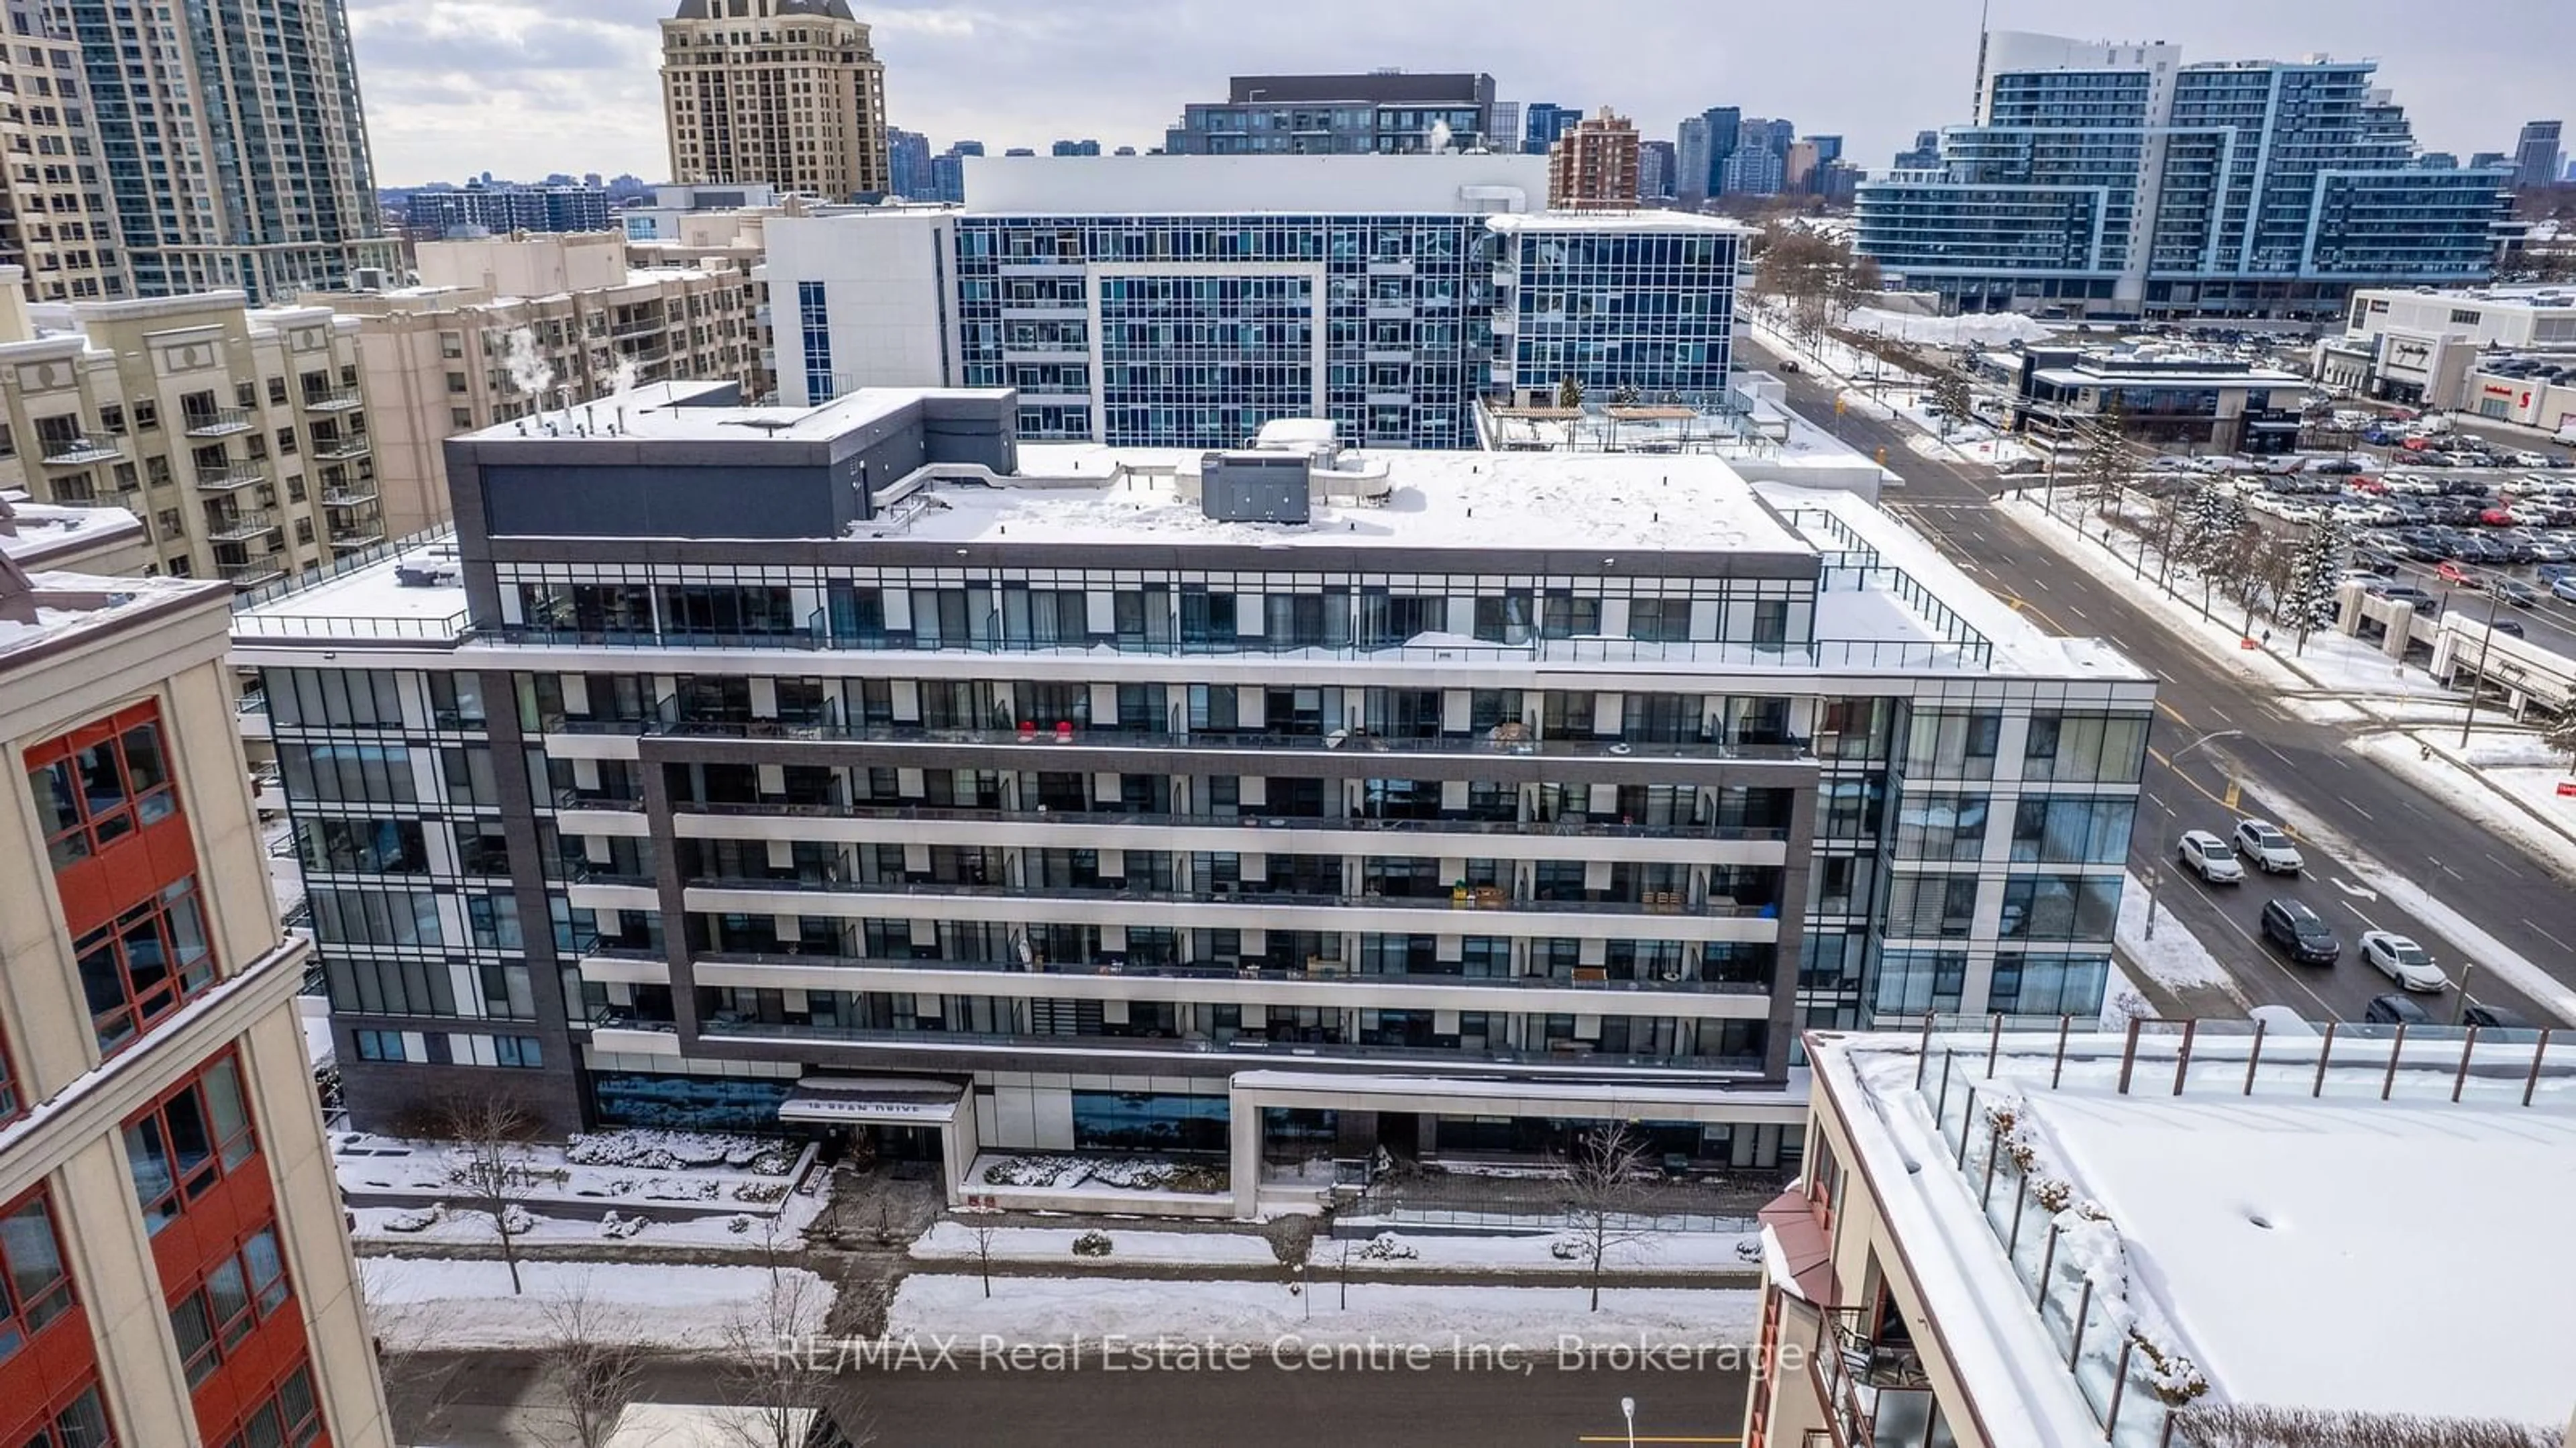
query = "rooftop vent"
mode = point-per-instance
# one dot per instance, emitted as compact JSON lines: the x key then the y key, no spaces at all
{"x":1254,"y":487}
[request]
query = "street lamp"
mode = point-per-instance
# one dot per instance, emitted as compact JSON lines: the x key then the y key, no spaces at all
{"x":1628,"y":1410}
{"x":2156,"y":877}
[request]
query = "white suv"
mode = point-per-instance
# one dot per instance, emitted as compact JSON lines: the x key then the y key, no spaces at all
{"x":2271,"y":851}
{"x":2209,"y":857}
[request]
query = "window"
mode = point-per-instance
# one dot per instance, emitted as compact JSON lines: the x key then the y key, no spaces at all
{"x":1952,"y":745}
{"x":2072,"y":831}
{"x":1930,"y":906}
{"x":35,"y":1287}
{"x":1918,"y":982}
{"x":380,"y":1046}
{"x":215,"y":1314}
{"x":180,"y":1148}
{"x":140,"y":966}
{"x":82,"y":1423}
{"x":1941,"y":827}
{"x":2048,"y":985}
{"x":1660,"y":620}
{"x":2060,"y":907}
{"x":289,"y":1418}
{"x":2086,"y":748}
{"x":91,"y":794}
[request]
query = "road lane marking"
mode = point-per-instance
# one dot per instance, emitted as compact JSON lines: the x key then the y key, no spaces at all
{"x":2552,"y":939}
{"x":2356,"y":809}
{"x":2366,"y":920}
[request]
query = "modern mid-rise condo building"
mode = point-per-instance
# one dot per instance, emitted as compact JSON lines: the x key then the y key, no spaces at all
{"x":1268,"y":803}
{"x":1185,"y":301}
{"x":2113,"y":178}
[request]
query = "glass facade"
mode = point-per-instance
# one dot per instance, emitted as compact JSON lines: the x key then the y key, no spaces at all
{"x":2253,"y":185}
{"x":1209,"y":323}
{"x":1641,"y":314}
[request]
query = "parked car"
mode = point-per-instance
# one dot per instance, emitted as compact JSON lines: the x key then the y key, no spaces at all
{"x":2300,"y":932}
{"x":2494,"y":1018}
{"x":2395,"y":1010}
{"x":2402,"y":960}
{"x":1789,"y":365}
{"x":2271,"y":851}
{"x":2564,"y":588}
{"x":2511,"y":628}
{"x":2457,"y":576}
{"x":2516,"y":593}
{"x":2211,"y":858}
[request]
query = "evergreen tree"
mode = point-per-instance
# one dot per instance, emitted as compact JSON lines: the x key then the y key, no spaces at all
{"x":2561,"y":734}
{"x":2212,"y":519}
{"x":2308,"y":601}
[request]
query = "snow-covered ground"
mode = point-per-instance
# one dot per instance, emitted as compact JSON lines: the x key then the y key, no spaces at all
{"x":2174,"y":957}
{"x":716,"y":1174}
{"x":1057,"y":1309}
{"x":953,"y":1240}
{"x":418,"y":1303}
{"x":459,"y":1222}
{"x":2329,"y":661}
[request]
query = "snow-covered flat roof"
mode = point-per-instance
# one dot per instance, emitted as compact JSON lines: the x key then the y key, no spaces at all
{"x":653,"y":413}
{"x":2021,"y":646}
{"x":50,"y":531}
{"x":1439,"y":500}
{"x":67,"y":604}
{"x":1638,"y":219}
{"x":2301,"y":1248}
{"x":416,"y":597}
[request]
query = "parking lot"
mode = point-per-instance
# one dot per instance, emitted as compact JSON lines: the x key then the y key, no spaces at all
{"x":2464,"y":523}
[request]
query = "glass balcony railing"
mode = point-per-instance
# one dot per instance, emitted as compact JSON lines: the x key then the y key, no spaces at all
{"x":1700,"y":981}
{"x":1493,"y":741}
{"x":1587,"y":828}
{"x":1672,"y":905}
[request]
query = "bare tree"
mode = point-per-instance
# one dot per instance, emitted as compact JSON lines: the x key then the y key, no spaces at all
{"x":492,"y":1171}
{"x":769,"y":1381}
{"x":1601,"y":1176}
{"x":1954,"y":397}
{"x":595,"y":1372}
{"x":984,"y":1231}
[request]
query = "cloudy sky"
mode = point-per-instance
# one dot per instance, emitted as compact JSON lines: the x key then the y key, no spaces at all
{"x":522,"y":87}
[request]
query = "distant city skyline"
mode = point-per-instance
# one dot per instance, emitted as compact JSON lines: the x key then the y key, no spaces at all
{"x":453,"y":89}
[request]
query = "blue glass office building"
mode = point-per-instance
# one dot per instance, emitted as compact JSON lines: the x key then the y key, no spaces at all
{"x":2113,"y":179}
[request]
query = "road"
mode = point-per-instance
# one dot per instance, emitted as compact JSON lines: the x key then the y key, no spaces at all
{"x":2518,"y":901}
{"x":499,"y":1400}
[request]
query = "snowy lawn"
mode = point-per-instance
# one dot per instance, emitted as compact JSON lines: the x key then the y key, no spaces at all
{"x":2175,"y":958}
{"x":1056,"y":1309}
{"x":459,"y":1221}
{"x":421,"y":1304}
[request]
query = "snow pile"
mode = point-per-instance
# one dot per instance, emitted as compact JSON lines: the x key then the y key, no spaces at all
{"x":1988,"y":330}
{"x":657,"y":1150}
{"x":2174,"y":958}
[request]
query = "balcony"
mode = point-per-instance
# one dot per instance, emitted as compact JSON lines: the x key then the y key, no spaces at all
{"x":81,"y":452}
{"x":1339,"y":973}
{"x":216,"y":421}
{"x":252,"y":573}
{"x":225,"y":477}
{"x":640,"y":327}
{"x":241,"y":525}
{"x":341,"y":449}
{"x":1874,"y":1388}
{"x":350,"y":497}
{"x":1584,"y":827}
{"x":1670,"y":905}
{"x":1346,"y":741}
{"x":332,"y":399}
{"x":357,"y":534}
